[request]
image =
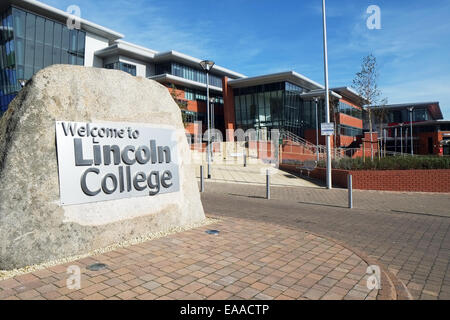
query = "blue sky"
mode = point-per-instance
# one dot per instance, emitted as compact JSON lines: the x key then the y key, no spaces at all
{"x":257,"y":37}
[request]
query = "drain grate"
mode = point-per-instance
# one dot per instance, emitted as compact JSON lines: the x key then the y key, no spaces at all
{"x":96,"y":267}
{"x":213,"y":232}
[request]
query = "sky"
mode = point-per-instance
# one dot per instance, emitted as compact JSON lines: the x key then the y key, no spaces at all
{"x":257,"y":37}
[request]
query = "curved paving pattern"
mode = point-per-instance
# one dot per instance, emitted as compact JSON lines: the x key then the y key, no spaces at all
{"x":411,"y":240}
{"x":247,"y":260}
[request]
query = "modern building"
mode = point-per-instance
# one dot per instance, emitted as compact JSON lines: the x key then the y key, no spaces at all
{"x":34,"y":35}
{"x":430,"y":135}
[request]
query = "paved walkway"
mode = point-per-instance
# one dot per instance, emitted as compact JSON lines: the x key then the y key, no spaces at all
{"x":413,"y":246}
{"x":247,"y":260}
{"x":253,"y":174}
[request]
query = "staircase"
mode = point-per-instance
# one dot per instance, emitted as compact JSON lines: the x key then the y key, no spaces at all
{"x":296,"y":139}
{"x":310,"y":148}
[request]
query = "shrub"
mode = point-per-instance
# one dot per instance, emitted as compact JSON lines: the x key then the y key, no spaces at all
{"x":391,"y":163}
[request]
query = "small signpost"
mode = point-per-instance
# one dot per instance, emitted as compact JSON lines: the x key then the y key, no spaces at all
{"x":327,"y":129}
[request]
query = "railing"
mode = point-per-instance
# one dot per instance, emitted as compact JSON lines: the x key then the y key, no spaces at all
{"x":294,"y":138}
{"x":336,"y":153}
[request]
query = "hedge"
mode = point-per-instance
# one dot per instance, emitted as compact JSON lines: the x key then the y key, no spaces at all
{"x":391,"y":163}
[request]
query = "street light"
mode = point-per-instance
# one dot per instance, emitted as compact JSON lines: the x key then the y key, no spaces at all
{"x":411,"y":109}
{"x":401,"y":138}
{"x":327,"y":95}
{"x":213,"y":125}
{"x":207,"y":65}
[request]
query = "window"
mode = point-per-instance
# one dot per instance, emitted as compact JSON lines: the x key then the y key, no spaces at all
{"x":128,"y":68}
{"x":189,"y":116}
{"x":349,"y":131}
{"x":29,"y":43}
{"x":189,"y":94}
{"x":349,"y":110}
{"x":188,"y":73}
{"x":420,"y":115}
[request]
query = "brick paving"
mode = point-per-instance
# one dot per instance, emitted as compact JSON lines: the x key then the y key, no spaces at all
{"x":247,"y":260}
{"x":407,"y":233}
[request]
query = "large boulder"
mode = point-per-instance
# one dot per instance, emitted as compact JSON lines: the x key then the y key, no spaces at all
{"x":34,"y":226}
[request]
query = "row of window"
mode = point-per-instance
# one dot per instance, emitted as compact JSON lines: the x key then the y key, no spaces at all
{"x":349,"y":131}
{"x":192,"y":117}
{"x":350,"y":110}
{"x":194,"y":95}
{"x":188,"y":73}
{"x":400,"y":116}
{"x":189,"y":116}
{"x":284,"y":86}
{"x":128,"y":68}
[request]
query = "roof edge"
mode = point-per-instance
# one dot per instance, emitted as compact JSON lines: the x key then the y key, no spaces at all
{"x":57,"y":14}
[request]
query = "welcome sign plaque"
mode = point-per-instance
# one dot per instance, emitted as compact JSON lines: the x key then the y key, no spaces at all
{"x":108,"y":161}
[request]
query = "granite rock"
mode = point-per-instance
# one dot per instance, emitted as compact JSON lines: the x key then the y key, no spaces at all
{"x":34,"y":227}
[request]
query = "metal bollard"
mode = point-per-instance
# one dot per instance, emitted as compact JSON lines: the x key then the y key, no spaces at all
{"x":350,"y":191}
{"x":202,"y":183}
{"x":267,"y":185}
{"x":245,"y":160}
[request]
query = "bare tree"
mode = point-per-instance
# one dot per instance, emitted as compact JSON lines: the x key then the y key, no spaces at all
{"x":365,"y":83}
{"x":379,"y":113}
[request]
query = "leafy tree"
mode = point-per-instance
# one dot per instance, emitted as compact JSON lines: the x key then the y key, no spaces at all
{"x":180,"y":103}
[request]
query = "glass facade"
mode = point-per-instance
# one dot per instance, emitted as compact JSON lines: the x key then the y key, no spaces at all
{"x":9,"y":85}
{"x":400,"y":116}
{"x":349,"y":131}
{"x":188,"y":73}
{"x":194,"y":95}
{"x":275,"y":106}
{"x":128,"y":68}
{"x":29,"y":43}
{"x":350,"y":110}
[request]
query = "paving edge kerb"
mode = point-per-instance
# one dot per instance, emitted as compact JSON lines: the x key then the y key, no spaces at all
{"x":394,"y":290}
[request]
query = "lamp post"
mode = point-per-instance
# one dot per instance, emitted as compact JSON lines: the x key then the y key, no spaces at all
{"x":316,"y":100}
{"x":401,"y":138}
{"x":327,"y":95}
{"x":207,"y":65}
{"x":411,"y":124}
{"x":213,"y":126}
{"x":213,"y":122}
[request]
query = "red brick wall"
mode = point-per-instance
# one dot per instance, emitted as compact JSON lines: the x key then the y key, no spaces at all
{"x":345,"y":141}
{"x":387,"y":180}
{"x":264,"y":149}
{"x":350,"y":121}
{"x":294,"y":151}
{"x":437,"y":137}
